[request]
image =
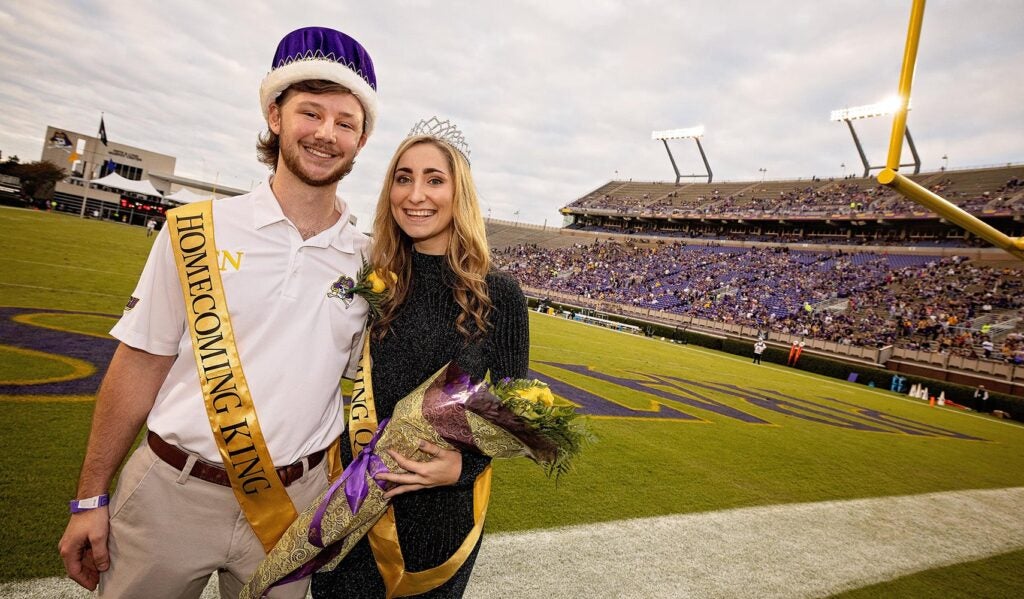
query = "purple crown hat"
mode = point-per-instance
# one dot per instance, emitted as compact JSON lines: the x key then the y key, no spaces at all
{"x":322,"y":53}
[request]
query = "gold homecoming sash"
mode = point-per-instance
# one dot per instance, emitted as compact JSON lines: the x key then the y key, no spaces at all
{"x":383,"y":537}
{"x":258,"y":488}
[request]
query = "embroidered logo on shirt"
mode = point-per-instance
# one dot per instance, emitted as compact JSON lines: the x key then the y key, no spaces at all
{"x":342,"y":289}
{"x":232,"y":259}
{"x":132,"y":302}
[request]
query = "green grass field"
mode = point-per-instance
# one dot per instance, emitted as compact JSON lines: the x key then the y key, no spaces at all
{"x":681,"y":429}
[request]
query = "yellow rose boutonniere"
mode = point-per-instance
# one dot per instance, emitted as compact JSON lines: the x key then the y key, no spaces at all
{"x":373,"y":285}
{"x":377,"y":285}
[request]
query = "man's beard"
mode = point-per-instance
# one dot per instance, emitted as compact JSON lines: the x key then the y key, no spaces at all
{"x":290,"y":155}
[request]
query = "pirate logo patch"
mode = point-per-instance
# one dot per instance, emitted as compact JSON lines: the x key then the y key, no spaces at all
{"x":343,"y":289}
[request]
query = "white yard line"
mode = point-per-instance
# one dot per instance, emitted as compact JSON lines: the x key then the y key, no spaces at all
{"x":64,"y":291}
{"x":69,"y":267}
{"x":783,"y":551}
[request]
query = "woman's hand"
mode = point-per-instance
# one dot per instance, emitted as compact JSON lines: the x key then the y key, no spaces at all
{"x":441,"y":469}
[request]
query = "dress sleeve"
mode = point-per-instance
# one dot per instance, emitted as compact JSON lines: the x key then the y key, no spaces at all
{"x":508,"y":351}
{"x":509,"y":340}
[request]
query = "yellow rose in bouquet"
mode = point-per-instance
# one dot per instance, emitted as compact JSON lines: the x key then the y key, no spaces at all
{"x":537,"y":394}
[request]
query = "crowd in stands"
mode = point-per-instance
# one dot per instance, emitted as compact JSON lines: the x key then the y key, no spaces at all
{"x":837,"y":198}
{"x":875,"y":237}
{"x":865,"y":299}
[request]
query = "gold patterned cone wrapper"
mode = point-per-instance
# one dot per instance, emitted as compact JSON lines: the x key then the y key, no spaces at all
{"x":449,"y":410}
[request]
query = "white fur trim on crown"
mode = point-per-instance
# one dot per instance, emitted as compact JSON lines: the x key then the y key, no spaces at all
{"x":279,"y":79}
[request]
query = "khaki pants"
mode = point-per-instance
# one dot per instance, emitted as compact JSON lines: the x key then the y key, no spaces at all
{"x":169,"y":532}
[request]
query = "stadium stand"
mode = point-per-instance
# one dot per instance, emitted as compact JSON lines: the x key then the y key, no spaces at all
{"x":813,"y":210}
{"x":902,"y":281}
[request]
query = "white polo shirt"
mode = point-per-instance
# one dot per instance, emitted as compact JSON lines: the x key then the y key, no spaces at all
{"x":293,"y":340}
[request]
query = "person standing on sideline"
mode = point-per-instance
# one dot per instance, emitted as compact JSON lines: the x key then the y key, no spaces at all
{"x":758,"y":350}
{"x":981,"y":399}
{"x":212,"y":487}
{"x":150,"y":227}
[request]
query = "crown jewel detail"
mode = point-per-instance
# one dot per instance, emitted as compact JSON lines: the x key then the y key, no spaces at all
{"x":445,"y":131}
{"x":319,"y":56}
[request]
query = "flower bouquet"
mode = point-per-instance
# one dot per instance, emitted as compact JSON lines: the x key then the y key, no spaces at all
{"x":511,"y":418}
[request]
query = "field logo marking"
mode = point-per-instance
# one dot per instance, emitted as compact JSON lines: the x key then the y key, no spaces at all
{"x":78,"y":368}
{"x":595,"y":405}
{"x":27,"y":331}
{"x":38,"y":319}
{"x":650,"y":386}
{"x":905,"y":425}
{"x":677,"y":390}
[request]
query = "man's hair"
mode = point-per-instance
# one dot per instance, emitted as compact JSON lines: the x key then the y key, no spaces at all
{"x":468,"y":255}
{"x":268,"y":144}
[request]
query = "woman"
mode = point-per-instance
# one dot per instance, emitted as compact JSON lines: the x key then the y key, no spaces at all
{"x":446,"y":305}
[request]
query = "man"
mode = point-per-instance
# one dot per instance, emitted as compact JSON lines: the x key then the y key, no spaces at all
{"x":759,"y":348}
{"x":987,"y":346}
{"x":981,"y":399}
{"x":211,"y":486}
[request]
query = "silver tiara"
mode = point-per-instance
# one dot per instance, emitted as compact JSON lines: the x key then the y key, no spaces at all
{"x":445,"y":131}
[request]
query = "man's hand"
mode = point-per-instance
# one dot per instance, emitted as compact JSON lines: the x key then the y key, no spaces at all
{"x":442,"y":468}
{"x":125,"y":398}
{"x":84,"y":546}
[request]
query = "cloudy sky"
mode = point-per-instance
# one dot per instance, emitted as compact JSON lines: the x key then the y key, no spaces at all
{"x":556,"y":97}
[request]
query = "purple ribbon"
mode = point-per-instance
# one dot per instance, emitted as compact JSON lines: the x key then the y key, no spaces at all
{"x":354,"y":480}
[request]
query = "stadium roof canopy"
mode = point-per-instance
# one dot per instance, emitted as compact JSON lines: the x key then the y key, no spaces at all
{"x":116,"y":181}
{"x":223,"y":190}
{"x":185,"y":196}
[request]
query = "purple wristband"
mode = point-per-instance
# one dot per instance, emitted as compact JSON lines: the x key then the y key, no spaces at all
{"x":84,"y":505}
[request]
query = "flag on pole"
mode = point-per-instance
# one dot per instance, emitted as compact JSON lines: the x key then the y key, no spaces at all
{"x":103,"y":131}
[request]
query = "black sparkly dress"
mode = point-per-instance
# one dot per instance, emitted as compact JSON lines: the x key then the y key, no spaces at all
{"x":432,"y":523}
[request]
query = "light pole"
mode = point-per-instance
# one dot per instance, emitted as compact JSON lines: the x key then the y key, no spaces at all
{"x":694,"y":133}
{"x":945,"y":162}
{"x":763,"y":171}
{"x":843,"y":166}
{"x":888,"y":106}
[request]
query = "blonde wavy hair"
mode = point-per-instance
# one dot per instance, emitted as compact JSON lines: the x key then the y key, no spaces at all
{"x":468,"y":255}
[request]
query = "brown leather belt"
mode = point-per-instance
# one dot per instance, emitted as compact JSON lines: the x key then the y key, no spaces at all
{"x":215,"y":474}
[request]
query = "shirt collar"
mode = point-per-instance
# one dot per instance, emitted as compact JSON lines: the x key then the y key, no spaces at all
{"x":267,"y":212}
{"x":340,"y":235}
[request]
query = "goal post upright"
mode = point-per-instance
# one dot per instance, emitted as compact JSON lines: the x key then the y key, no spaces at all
{"x":890,"y":175}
